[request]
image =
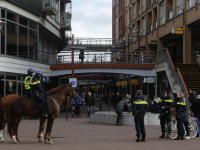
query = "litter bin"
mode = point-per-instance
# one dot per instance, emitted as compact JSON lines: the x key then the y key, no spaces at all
{"x":101,"y":106}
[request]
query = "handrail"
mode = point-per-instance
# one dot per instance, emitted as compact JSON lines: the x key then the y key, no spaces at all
{"x":170,"y":58}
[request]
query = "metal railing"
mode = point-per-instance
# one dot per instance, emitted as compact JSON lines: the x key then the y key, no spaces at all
{"x":95,"y":41}
{"x":164,"y":56}
{"x":65,"y":20}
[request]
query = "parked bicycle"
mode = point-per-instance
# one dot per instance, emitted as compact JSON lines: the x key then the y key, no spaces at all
{"x":172,"y":131}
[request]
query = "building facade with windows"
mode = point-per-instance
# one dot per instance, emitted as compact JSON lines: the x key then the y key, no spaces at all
{"x":157,"y":19}
{"x":34,"y":32}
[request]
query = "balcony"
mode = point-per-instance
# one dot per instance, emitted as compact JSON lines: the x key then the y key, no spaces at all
{"x":66,"y":1}
{"x":49,"y":7}
{"x":65,"y":21}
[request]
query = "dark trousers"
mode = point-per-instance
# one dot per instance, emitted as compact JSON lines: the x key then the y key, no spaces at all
{"x":139,"y":126}
{"x":163,"y":119}
{"x":39,"y":98}
{"x":180,"y":127}
{"x":186,"y":124}
{"x":78,"y":109}
{"x":118,"y":116}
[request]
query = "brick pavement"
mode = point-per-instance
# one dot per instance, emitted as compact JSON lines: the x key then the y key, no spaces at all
{"x":79,"y":134}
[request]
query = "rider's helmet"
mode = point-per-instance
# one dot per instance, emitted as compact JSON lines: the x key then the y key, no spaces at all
{"x":38,"y":74}
{"x":30,"y":71}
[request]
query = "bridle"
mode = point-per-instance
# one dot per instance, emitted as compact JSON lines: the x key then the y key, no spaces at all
{"x":71,"y":90}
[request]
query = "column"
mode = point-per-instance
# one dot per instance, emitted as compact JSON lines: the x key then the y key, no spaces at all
{"x":187,"y":44}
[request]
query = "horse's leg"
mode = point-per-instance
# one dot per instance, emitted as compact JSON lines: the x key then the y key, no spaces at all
{"x":47,"y":137}
{"x":5,"y":120}
{"x":15,"y":129}
{"x":41,"y":128}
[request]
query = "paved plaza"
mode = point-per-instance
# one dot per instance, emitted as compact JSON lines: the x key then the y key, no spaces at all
{"x":80,"y":134}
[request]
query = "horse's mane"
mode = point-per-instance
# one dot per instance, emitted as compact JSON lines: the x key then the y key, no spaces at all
{"x":56,"y":90}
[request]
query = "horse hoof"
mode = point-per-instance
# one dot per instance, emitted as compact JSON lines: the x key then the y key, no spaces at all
{"x":19,"y":142}
{"x":51,"y":143}
{"x":46,"y":142}
{"x":3,"y":141}
{"x":41,"y":141}
{"x":15,"y":142}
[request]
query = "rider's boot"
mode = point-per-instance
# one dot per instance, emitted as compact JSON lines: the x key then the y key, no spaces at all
{"x":42,"y":109}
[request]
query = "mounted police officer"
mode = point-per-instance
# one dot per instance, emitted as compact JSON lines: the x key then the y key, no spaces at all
{"x":27,"y":82}
{"x":180,"y":109}
{"x":165,"y":116}
{"x":139,"y":110}
{"x":36,"y":92}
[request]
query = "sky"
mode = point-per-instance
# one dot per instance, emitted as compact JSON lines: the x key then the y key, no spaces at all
{"x":92,"y":18}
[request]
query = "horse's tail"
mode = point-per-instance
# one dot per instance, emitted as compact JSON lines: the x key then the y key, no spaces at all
{"x":10,"y":126}
{"x":1,"y":113}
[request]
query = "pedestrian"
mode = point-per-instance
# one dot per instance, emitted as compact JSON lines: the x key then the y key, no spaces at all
{"x":186,"y":118}
{"x":77,"y":105}
{"x":90,"y":103}
{"x":117,"y":99}
{"x":122,"y":105}
{"x":196,"y":110}
{"x":180,"y":109}
{"x":165,"y":116}
{"x":139,"y":110}
{"x":151,"y":106}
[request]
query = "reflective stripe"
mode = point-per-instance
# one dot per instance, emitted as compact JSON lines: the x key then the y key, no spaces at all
{"x":160,"y":100}
{"x":181,"y":103}
{"x":27,"y":83}
{"x":140,"y":102}
{"x":36,"y":82}
{"x":167,"y":100}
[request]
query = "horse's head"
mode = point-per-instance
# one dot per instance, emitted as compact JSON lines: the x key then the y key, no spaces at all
{"x":71,"y":92}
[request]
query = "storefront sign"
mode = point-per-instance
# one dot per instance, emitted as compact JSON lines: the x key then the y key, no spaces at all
{"x":153,"y":43}
{"x":150,"y":80}
{"x":177,"y":30}
{"x":93,"y":87}
{"x":98,"y":86}
{"x":73,"y":81}
{"x":123,"y":82}
{"x":118,"y":83}
{"x":134,"y":81}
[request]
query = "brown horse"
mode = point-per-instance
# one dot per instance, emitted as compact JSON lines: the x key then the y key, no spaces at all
{"x":4,"y":112}
{"x":20,"y":106}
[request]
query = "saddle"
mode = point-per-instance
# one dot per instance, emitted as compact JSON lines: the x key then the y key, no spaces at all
{"x":36,"y":105}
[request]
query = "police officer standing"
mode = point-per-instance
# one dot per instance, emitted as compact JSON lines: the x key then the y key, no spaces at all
{"x":139,"y":110}
{"x":165,"y":116}
{"x":180,"y":109}
{"x":27,"y":82}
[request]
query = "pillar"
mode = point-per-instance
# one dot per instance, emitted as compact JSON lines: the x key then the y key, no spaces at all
{"x":187,"y":44}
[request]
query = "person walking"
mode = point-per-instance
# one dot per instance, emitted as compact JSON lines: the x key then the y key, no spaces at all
{"x":186,"y":118}
{"x":77,"y":104}
{"x":180,"y":109}
{"x":122,"y":105}
{"x":90,"y":103}
{"x":139,"y":110}
{"x":165,"y":116}
{"x":196,"y":110}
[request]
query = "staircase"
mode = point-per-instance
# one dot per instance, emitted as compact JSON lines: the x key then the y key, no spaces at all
{"x":191,"y":76}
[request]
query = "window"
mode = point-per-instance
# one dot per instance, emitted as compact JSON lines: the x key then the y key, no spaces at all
{"x":150,"y":26}
{"x":138,"y":11}
{"x":33,"y":44}
{"x":117,"y":8}
{"x":143,"y":26}
{"x":134,"y":11}
{"x":127,"y":3}
{"x":127,"y":18}
{"x":190,"y":3}
{"x":23,"y":21}
{"x":155,"y":23}
{"x":170,"y":13}
{"x":179,"y":7}
{"x":117,"y":27}
{"x":134,"y":38}
{"x":144,"y":5}
{"x":162,"y":13}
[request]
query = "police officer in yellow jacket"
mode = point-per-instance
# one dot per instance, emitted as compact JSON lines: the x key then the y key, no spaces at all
{"x":165,"y":116}
{"x":27,"y":82}
{"x":180,"y":109}
{"x":139,"y":110}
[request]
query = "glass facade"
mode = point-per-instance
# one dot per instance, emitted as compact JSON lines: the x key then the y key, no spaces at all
{"x":19,"y":37}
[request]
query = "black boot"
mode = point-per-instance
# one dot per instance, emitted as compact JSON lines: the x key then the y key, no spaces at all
{"x":182,"y":138}
{"x":143,"y":140}
{"x":162,"y":136}
{"x":138,"y":140}
{"x":42,"y":109}
{"x":178,"y":138}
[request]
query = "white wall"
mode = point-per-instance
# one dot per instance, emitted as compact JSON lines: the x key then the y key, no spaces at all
{"x":13,"y":65}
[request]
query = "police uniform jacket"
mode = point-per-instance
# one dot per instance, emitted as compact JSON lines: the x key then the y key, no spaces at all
{"x":139,"y":106}
{"x":27,"y":83}
{"x":180,"y":107}
{"x":165,"y":102}
{"x":37,"y":86}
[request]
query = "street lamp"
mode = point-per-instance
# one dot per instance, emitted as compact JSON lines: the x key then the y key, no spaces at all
{"x":1,"y":25}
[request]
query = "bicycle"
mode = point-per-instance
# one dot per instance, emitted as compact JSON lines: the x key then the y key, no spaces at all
{"x":172,"y":131}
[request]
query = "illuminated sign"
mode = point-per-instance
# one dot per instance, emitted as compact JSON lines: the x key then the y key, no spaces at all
{"x":118,"y":83}
{"x":123,"y":82}
{"x":134,"y":82}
